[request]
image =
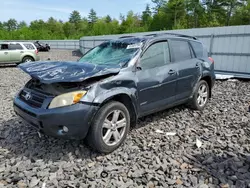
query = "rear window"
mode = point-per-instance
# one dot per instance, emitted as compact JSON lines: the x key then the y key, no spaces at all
{"x":198,"y":49}
{"x":29,"y":46}
{"x":181,"y":50}
{"x":15,"y":47}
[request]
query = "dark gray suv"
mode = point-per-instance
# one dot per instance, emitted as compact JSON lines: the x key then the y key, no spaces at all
{"x":112,"y":85}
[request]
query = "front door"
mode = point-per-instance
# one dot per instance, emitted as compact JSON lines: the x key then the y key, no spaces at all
{"x":156,"y":79}
{"x":4,"y":53}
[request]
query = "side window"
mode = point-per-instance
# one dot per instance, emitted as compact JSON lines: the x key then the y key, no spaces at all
{"x":155,"y":56}
{"x":181,"y":50}
{"x":4,"y":47}
{"x":198,"y":49}
{"x":29,"y":46}
{"x":15,"y":47}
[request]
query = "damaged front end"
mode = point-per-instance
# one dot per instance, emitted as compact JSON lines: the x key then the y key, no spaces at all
{"x":65,"y":82}
{"x":51,"y":100}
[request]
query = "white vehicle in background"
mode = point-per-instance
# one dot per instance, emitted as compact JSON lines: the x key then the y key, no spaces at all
{"x":18,"y":52}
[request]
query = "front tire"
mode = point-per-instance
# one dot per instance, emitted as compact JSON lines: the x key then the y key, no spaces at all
{"x":201,"y":96}
{"x":109,"y":128}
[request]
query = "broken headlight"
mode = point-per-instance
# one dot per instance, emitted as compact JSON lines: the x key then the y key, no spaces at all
{"x":67,"y":99}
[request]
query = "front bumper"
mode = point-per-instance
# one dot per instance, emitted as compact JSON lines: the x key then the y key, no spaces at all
{"x":77,"y":118}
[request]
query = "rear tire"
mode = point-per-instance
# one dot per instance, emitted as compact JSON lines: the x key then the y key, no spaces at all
{"x":27,"y":59}
{"x":109,"y":127}
{"x":201,"y":96}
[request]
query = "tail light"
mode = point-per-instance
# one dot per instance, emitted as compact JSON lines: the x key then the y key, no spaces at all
{"x":211,"y":59}
{"x":36,"y":51}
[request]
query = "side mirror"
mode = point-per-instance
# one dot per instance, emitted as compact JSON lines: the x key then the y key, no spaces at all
{"x":138,"y":67}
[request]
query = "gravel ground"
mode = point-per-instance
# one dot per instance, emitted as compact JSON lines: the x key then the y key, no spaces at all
{"x":151,"y":156}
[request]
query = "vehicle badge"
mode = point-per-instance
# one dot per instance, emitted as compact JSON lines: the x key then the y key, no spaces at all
{"x":27,"y":96}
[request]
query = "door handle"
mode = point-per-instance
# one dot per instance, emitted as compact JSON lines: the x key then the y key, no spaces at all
{"x":21,"y":52}
{"x":197,"y":66}
{"x":171,"y":72}
{"x":5,"y":53}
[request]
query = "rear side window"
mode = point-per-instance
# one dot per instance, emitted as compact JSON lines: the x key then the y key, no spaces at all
{"x":15,"y":47}
{"x":181,"y":50}
{"x":198,"y":49}
{"x":29,"y":46}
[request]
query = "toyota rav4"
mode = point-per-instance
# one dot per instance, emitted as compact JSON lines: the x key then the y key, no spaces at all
{"x":100,"y":96}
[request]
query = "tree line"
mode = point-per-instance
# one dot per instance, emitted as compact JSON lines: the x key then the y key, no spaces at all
{"x":163,"y":15}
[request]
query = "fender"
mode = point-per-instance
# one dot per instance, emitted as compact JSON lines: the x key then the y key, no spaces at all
{"x":198,"y":79}
{"x":108,"y":94}
{"x":204,"y":74}
{"x":131,"y":93}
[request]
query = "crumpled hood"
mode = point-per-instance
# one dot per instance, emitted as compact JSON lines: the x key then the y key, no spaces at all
{"x":57,"y":71}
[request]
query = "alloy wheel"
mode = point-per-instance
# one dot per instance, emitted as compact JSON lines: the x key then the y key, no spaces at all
{"x":202,"y":96}
{"x":27,"y":60}
{"x":114,"y":127}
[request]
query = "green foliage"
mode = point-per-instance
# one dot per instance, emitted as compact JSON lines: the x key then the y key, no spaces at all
{"x":147,"y":16}
{"x":108,"y":19}
{"x":1,"y":25}
{"x":92,"y":16}
{"x":21,"y":25}
{"x":10,"y":25}
{"x":75,"y":17}
{"x":165,"y":15}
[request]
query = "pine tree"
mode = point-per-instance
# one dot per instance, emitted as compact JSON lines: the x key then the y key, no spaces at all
{"x":75,"y":17}
{"x":92,"y":16}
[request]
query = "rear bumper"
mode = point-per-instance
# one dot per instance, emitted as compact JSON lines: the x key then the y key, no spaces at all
{"x":213,"y":78}
{"x":37,"y":58}
{"x":77,"y":118}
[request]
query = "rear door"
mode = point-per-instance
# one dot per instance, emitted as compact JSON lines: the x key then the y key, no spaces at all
{"x":188,"y":68}
{"x":156,"y":79}
{"x":4,"y":53}
{"x":16,"y":51}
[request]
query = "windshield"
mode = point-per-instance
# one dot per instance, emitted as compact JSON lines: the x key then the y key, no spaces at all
{"x":111,"y":53}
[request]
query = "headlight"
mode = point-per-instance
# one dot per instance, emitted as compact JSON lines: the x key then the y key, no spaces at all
{"x":67,"y":99}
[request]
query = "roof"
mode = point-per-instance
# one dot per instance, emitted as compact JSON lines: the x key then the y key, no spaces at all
{"x":13,"y":42}
{"x":169,"y":35}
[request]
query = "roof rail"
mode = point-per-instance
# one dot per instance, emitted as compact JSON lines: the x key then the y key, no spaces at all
{"x":160,"y":34}
{"x":175,"y":34}
{"x":128,"y":36}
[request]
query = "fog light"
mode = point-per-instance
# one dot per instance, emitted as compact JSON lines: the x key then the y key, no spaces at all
{"x":65,"y":129}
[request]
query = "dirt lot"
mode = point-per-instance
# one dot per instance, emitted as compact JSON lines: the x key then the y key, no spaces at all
{"x":147,"y":159}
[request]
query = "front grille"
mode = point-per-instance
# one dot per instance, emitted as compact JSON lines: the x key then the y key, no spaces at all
{"x":32,"y":98}
{"x":26,"y":111}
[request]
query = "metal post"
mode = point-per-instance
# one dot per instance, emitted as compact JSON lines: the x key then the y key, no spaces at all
{"x":211,"y":45}
{"x":83,"y":47}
